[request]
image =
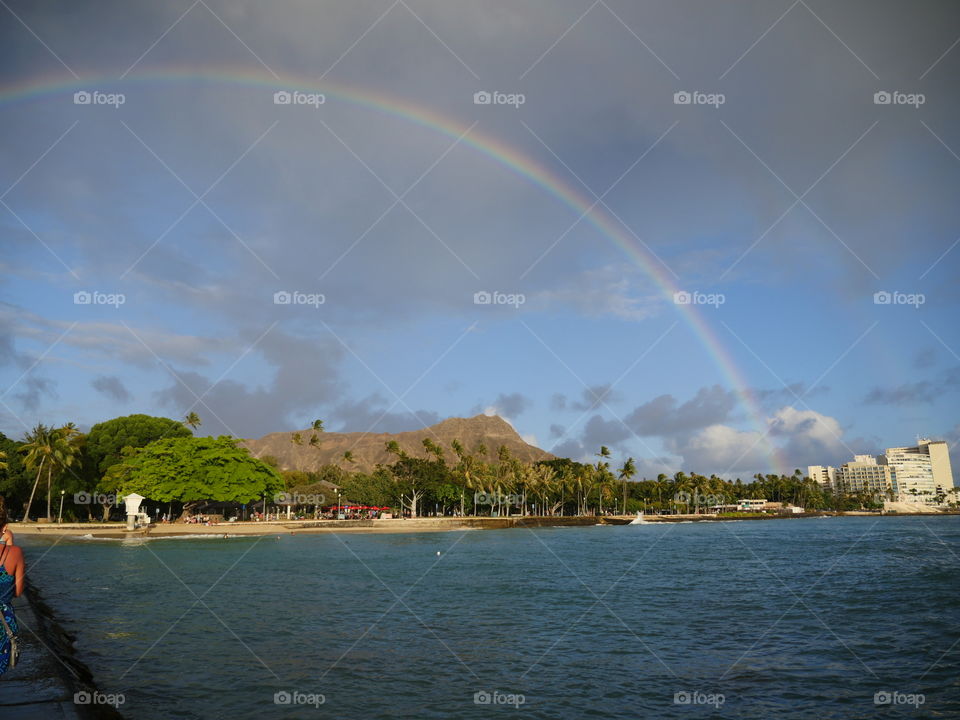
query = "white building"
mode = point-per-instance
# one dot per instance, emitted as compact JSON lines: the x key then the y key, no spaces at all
{"x":911,"y":474}
{"x":824,"y":475}
{"x":922,"y":472}
{"x":864,"y":474}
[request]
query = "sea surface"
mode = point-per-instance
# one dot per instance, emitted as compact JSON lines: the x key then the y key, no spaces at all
{"x":803,"y":618}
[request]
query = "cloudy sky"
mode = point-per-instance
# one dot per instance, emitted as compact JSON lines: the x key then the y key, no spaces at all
{"x":658,"y":226}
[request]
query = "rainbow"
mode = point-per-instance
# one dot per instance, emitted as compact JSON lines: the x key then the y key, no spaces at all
{"x":511,"y":158}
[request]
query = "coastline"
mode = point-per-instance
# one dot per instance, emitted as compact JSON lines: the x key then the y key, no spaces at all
{"x":392,"y":526}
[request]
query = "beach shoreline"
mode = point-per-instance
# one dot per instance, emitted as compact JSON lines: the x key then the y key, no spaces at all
{"x":391,"y":526}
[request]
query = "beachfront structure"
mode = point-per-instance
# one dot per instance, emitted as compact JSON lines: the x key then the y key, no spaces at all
{"x":751,"y":505}
{"x":824,"y":475}
{"x":864,"y":474}
{"x":921,"y":473}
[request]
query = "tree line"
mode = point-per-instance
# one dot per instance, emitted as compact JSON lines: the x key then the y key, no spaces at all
{"x":163,"y":460}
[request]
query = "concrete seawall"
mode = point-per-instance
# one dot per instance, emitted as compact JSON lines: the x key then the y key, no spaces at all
{"x":45,"y":681}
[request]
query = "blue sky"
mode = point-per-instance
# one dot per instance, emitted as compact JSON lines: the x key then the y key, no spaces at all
{"x":795,"y":200}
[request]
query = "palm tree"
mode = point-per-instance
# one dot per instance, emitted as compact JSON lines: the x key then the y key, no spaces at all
{"x":627,"y":471}
{"x":50,"y":449}
{"x":318,"y":425}
{"x":192,"y":419}
{"x":348,"y":456}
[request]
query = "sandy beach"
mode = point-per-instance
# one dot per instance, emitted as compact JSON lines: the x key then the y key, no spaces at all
{"x":428,"y":524}
{"x":298,"y":527}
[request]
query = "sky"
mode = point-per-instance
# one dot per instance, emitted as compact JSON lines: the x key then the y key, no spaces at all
{"x":717,"y":237}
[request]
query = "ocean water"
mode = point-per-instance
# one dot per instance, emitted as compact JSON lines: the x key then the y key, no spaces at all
{"x":812,"y":618}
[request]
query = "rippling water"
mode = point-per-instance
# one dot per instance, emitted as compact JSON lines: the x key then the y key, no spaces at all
{"x":785,"y":619}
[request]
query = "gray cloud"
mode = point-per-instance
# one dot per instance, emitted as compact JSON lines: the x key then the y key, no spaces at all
{"x":508,"y":405}
{"x":915,"y":393}
{"x":32,"y":389}
{"x":305,"y":379}
{"x":664,"y":416}
{"x":595,"y":396}
{"x":112,"y":387}
{"x":374,"y":414}
{"x":919,"y":392}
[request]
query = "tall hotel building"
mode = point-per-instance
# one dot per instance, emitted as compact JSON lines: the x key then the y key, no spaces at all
{"x":917,"y":474}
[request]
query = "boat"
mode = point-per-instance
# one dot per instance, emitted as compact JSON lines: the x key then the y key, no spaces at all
{"x":638,"y":520}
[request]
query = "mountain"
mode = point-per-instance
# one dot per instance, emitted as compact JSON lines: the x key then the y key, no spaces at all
{"x":370,"y":448}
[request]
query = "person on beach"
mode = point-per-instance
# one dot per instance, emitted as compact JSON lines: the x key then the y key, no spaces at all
{"x":11,"y":586}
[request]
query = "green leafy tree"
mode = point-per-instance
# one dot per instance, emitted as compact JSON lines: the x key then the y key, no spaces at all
{"x":14,"y":479}
{"x":106,"y":440}
{"x":193,"y":470}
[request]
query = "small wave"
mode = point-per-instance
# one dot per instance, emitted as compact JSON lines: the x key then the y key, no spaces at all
{"x":198,"y":536}
{"x":136,"y":540}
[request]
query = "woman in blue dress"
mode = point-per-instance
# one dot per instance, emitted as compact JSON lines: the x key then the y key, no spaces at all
{"x":11,"y":586}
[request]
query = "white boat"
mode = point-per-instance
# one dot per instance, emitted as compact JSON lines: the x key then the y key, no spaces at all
{"x":638,"y":520}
